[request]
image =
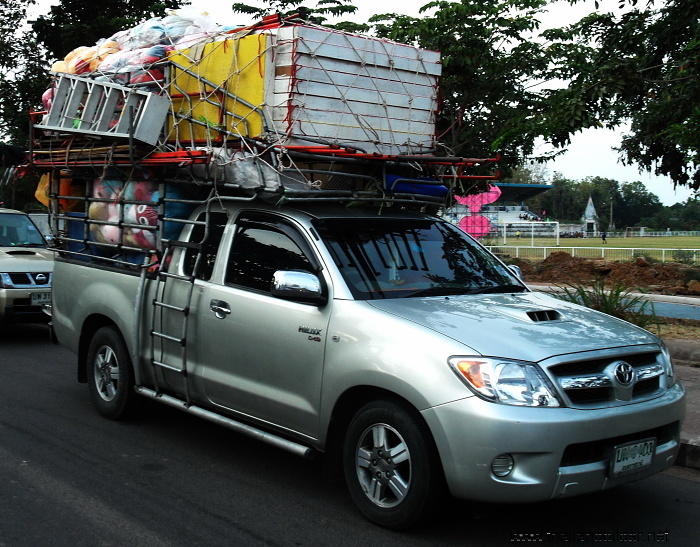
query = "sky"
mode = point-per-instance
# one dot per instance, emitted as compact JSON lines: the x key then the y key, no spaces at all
{"x":591,"y":151}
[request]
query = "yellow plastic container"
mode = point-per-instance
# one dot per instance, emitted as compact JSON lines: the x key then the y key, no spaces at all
{"x":218,"y":85}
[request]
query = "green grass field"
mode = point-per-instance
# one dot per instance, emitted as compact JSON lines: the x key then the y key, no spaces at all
{"x":671,"y":242}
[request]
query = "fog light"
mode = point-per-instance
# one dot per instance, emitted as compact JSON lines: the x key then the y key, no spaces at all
{"x":502,"y":465}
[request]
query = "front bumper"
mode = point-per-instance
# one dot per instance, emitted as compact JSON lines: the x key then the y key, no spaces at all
{"x":558,"y":452}
{"x":16,"y":306}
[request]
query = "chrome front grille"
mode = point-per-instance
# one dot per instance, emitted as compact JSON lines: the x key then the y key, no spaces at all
{"x":29,"y":280}
{"x":607,"y":381}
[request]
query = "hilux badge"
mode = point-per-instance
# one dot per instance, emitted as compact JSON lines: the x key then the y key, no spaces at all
{"x":309,"y":330}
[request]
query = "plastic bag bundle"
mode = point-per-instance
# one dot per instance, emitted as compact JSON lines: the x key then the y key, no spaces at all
{"x":149,"y":42}
{"x":85,"y":59}
{"x":239,"y":167}
{"x":66,"y":187}
{"x":164,"y":31}
{"x":133,"y":66}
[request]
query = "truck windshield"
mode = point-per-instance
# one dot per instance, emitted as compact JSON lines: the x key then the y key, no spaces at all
{"x":389,"y":258}
{"x":19,"y":231}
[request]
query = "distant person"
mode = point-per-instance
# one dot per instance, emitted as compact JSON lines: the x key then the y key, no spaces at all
{"x":517,"y":234}
{"x":604,"y":237}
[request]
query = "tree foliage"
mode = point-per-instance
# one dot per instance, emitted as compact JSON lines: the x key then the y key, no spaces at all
{"x":319,"y":14}
{"x":680,"y":216}
{"x":629,"y":203}
{"x":23,"y":74}
{"x":642,"y":66}
{"x":74,"y":23}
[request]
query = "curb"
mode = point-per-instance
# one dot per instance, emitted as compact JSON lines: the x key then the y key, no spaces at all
{"x":688,"y":456}
{"x":689,"y":453}
{"x":671,"y":299}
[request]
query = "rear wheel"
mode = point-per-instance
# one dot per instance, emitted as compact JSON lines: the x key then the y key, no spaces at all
{"x":110,"y":375}
{"x":391,"y":465}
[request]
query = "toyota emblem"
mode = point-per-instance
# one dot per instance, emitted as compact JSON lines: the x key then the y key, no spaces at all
{"x":624,"y":373}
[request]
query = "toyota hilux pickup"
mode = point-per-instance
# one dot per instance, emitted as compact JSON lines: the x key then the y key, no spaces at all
{"x":26,"y":267}
{"x":389,"y":341}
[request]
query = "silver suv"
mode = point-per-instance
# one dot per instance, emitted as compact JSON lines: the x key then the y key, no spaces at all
{"x":26,"y":269}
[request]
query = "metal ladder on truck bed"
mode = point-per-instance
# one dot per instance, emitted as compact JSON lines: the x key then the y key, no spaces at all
{"x":159,"y":334}
{"x":170,"y":319}
{"x":171,"y":307}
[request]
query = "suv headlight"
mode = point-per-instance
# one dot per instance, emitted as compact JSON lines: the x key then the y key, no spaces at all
{"x":504,"y":381}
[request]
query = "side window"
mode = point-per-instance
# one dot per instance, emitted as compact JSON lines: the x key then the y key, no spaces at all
{"x":209,"y":236}
{"x":258,"y":251}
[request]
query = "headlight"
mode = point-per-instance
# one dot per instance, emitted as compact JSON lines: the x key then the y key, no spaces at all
{"x":504,"y":381}
{"x":670,"y":371}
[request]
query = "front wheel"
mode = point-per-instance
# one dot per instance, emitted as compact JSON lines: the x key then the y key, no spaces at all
{"x":391,"y":465}
{"x":110,"y":375}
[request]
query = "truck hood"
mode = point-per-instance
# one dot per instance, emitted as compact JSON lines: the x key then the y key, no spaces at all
{"x":525,"y":326}
{"x":25,"y":259}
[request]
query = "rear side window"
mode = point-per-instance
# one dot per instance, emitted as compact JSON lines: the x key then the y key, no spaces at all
{"x":207,"y":233}
{"x":260,"y":249}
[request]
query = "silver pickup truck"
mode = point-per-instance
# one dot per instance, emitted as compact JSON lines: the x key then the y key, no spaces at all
{"x":390,"y":341}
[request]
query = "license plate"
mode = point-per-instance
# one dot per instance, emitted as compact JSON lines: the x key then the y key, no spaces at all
{"x":40,"y":298}
{"x":632,"y":457}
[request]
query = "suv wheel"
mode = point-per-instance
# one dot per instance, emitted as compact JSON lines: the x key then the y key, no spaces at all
{"x":110,"y":375}
{"x":391,"y":465}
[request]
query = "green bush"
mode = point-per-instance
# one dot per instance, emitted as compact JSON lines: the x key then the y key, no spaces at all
{"x":616,"y":300}
{"x":683,"y":256}
{"x":646,"y":256}
{"x":692,"y":274}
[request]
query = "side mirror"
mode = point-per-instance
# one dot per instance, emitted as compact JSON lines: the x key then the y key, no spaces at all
{"x":515,"y":270}
{"x":298,"y":286}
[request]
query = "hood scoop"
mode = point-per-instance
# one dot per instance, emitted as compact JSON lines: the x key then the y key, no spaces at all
{"x":532,"y":316}
{"x":23,"y":252}
{"x":542,"y":316}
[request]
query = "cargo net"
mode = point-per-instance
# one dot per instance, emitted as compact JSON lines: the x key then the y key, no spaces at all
{"x":147,"y":124}
{"x":282,"y":106}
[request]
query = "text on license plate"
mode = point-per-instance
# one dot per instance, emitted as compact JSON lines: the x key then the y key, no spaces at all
{"x":632,"y":456}
{"x":39,"y":298}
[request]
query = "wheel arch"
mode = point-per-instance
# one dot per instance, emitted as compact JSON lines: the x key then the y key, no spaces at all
{"x":91,"y":325}
{"x":343,"y":411}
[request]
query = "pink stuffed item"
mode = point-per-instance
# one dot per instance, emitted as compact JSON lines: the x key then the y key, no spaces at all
{"x":476,"y":201}
{"x":47,"y":97}
{"x":474,"y":224}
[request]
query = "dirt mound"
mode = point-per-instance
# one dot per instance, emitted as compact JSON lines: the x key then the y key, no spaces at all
{"x":639,"y":275}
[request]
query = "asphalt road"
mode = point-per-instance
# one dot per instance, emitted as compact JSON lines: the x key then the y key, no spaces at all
{"x":71,"y":478}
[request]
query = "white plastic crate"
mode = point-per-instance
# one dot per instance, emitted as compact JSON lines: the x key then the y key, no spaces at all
{"x":374,"y":94}
{"x":103,"y":109}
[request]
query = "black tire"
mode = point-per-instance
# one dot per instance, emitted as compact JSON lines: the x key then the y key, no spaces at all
{"x":110,"y":375}
{"x":391,"y":465}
